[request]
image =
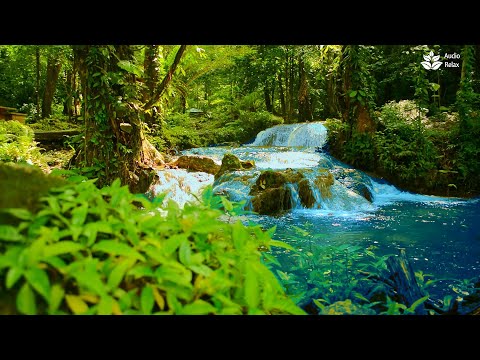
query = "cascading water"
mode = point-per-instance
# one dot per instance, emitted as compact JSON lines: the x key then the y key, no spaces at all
{"x":441,"y":235}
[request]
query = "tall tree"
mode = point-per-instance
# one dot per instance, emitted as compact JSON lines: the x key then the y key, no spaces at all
{"x":113,"y":111}
{"x":53,"y":70}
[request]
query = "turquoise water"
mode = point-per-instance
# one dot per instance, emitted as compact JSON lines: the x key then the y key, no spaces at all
{"x":441,"y":235}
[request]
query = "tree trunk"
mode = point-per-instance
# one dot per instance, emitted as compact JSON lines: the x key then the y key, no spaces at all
{"x":304,"y":105}
{"x":268,"y":101}
{"x":53,"y":70}
{"x":114,"y":141}
{"x":291,"y":89}
{"x":166,"y":80}
{"x":282,"y":97}
{"x":151,"y":82}
{"x":37,"y":85}
{"x":68,"y":102}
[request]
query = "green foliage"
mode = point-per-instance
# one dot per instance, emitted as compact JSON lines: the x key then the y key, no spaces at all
{"x":17,"y":143}
{"x":107,"y":251}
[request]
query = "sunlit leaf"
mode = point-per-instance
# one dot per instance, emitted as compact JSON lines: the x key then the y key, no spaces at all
{"x":38,"y":279}
{"x":13,"y":274}
{"x":105,"y":306}
{"x":76,"y":304}
{"x":198,"y":307}
{"x":252,"y":291}
{"x":116,"y":248}
{"x":26,"y":300}
{"x":62,"y":247}
{"x":9,"y":233}
{"x":147,"y":300}
{"x":158,"y":298}
{"x":56,"y":297}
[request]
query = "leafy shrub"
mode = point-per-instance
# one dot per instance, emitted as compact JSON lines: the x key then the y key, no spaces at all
{"x":55,"y":123}
{"x":107,"y":251}
{"x":17,"y":143}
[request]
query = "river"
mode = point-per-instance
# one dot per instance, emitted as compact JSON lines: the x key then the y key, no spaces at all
{"x":441,"y":235}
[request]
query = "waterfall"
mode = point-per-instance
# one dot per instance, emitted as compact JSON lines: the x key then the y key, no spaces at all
{"x":180,"y":185}
{"x":304,"y":135}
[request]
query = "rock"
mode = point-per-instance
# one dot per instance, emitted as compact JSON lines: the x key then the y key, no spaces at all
{"x":229,"y":163}
{"x":248,"y":164}
{"x":323,"y":183}
{"x":306,"y":194}
{"x":273,"y":179}
{"x":272,"y":201}
{"x":197,"y":163}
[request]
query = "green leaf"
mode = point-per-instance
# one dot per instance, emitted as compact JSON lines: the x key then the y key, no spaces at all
{"x":147,"y":300}
{"x":113,"y":247}
{"x":352,"y":93}
{"x":26,"y":300}
{"x":76,"y":304}
{"x":141,"y":270}
{"x":201,"y":269}
{"x":105,"y":306}
{"x":130,"y":67}
{"x":227,"y":204}
{"x":62,"y":247}
{"x":173,"y":243}
{"x":38,"y":279}
{"x":10,"y":233}
{"x":280,"y":244}
{"x":14,"y":273}
{"x":418,"y":303}
{"x":79,"y":215}
{"x":252,"y":291}
{"x":56,"y":297}
{"x":19,"y":213}
{"x":185,"y":253}
{"x":271,"y":258}
{"x":198,"y":307}
{"x":117,"y":274}
{"x":56,"y":262}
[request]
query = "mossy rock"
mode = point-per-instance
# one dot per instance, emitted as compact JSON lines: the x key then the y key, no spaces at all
{"x":248,"y":164}
{"x":305,"y":193}
{"x":272,"y":201}
{"x":324,"y":182}
{"x":197,"y":163}
{"x":23,"y":185}
{"x":346,"y":308}
{"x":269,"y":179}
{"x":229,"y":163}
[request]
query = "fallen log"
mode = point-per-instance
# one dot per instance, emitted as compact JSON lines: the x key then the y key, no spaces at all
{"x":45,"y":136}
{"x":403,"y":277}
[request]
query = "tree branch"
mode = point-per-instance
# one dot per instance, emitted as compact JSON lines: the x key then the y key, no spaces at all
{"x":166,"y":80}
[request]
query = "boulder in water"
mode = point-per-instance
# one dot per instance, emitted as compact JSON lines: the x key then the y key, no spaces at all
{"x":323,"y":183}
{"x":229,"y":163}
{"x":197,"y":163}
{"x":272,"y":179}
{"x":305,"y":193}
{"x":272,"y":201}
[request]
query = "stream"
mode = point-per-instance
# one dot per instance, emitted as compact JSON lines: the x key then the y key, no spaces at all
{"x":441,"y":235}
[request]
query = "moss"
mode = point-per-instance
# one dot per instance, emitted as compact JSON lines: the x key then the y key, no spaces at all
{"x":323,"y":183}
{"x":272,"y":201}
{"x":306,"y":194}
{"x":23,"y":185}
{"x":197,"y":163}
{"x":272,"y":179}
{"x":229,"y":163}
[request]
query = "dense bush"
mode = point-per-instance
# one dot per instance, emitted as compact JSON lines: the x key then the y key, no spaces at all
{"x":107,"y":251}
{"x":411,"y":150}
{"x":17,"y":143}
